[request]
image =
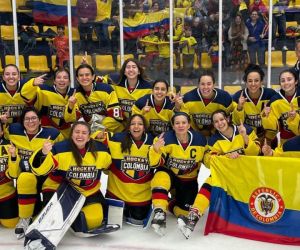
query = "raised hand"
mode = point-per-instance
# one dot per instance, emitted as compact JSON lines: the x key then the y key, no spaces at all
{"x":266,"y":149}
{"x":241,"y":128}
{"x":178,"y":101}
{"x":72,"y":100}
{"x":159,"y":143}
{"x":47,"y":147}
{"x":147,"y":108}
{"x":242,"y":101}
{"x":292,"y":113}
{"x":84,"y":58}
{"x":12,"y":150}
{"x":266,"y":111}
{"x":39,"y":80}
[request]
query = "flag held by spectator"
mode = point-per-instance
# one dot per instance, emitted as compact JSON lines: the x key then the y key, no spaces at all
{"x":53,"y":12}
{"x":139,"y":26}
{"x":256,"y":198}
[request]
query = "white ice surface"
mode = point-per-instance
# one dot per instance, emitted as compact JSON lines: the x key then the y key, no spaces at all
{"x":134,"y":238}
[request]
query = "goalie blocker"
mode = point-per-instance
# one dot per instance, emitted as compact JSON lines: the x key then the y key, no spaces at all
{"x":56,"y":218}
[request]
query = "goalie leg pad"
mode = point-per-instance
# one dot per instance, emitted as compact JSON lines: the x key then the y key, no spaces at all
{"x":55,"y":219}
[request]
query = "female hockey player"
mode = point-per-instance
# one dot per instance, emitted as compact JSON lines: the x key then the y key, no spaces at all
{"x":230,"y":140}
{"x":11,"y":101}
{"x":177,"y":156}
{"x":130,"y":175}
{"x":97,"y":98}
{"x":250,"y":102}
{"x":26,"y":137}
{"x":201,"y":102}
{"x":56,"y":103}
{"x":8,"y":195}
{"x":132,"y":85}
{"x":79,"y":161}
{"x":276,"y":113}
{"x":157,"y":108}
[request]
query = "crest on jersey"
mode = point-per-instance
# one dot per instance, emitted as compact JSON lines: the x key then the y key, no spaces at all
{"x":266,"y":205}
{"x":135,"y":167}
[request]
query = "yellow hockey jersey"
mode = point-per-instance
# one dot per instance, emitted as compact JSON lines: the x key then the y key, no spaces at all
{"x":130,"y":175}
{"x":184,"y":163}
{"x":157,"y":122}
{"x":200,"y":113}
{"x":62,"y":165}
{"x":26,"y":147}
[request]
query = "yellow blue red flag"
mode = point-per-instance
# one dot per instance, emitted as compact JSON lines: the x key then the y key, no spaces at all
{"x":256,"y":198}
{"x":139,"y":25}
{"x":53,"y":12}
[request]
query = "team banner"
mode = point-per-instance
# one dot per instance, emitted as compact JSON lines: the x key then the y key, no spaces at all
{"x":53,"y":12}
{"x":256,"y":198}
{"x":140,"y":24}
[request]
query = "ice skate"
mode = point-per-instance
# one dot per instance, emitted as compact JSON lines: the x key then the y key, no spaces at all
{"x":159,"y":221}
{"x":21,"y":227}
{"x":186,"y":224}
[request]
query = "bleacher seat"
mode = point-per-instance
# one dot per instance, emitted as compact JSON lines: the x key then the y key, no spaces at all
{"x":11,"y":59}
{"x":206,"y":61}
{"x":232,"y":89}
{"x":5,"y":6}
{"x":38,"y":64}
{"x":275,"y":86}
{"x":78,"y":60}
{"x":276,"y":58}
{"x":185,"y":89}
{"x":104,"y":63}
{"x":7,"y":32}
{"x":291,"y":58}
{"x":125,"y":57}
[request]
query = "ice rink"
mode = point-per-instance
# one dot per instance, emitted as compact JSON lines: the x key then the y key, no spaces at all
{"x":135,"y":238}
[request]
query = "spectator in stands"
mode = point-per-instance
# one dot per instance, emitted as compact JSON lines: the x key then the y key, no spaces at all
{"x":149,"y":43}
{"x":255,"y":43}
{"x":178,"y":32}
{"x":197,"y":32}
{"x":86,"y":12}
{"x":260,"y":7}
{"x":213,"y":52}
{"x":188,"y":44}
{"x":61,"y":45}
{"x":279,"y":21}
{"x":164,"y":51}
{"x":297,"y":65}
{"x":102,"y":21}
{"x":238,"y":35}
{"x":155,"y":7}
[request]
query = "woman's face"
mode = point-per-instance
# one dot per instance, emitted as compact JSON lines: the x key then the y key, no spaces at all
{"x":11,"y":77}
{"x":31,"y":123}
{"x":254,"y":82}
{"x":181,"y":125}
{"x":220,"y":122}
{"x":131,"y":70}
{"x":80,"y":136}
{"x":62,"y":81}
{"x":85,"y":77}
{"x":137,"y":128}
{"x":206,"y":86}
{"x":238,"y":20}
{"x":160,"y":91}
{"x":288,"y":82}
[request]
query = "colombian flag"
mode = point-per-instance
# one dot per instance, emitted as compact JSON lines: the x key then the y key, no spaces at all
{"x":53,"y":12}
{"x":256,"y":198}
{"x":140,"y":24}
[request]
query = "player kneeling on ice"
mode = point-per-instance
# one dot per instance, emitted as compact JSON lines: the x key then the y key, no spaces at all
{"x":78,"y":161}
{"x":229,"y":140}
{"x":177,"y":155}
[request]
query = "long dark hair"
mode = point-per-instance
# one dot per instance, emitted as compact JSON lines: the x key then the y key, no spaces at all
{"x":90,"y":146}
{"x":83,"y":66}
{"x":127,"y":142}
{"x":141,"y":76}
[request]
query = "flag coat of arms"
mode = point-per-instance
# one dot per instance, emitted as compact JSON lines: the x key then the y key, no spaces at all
{"x":256,"y":198}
